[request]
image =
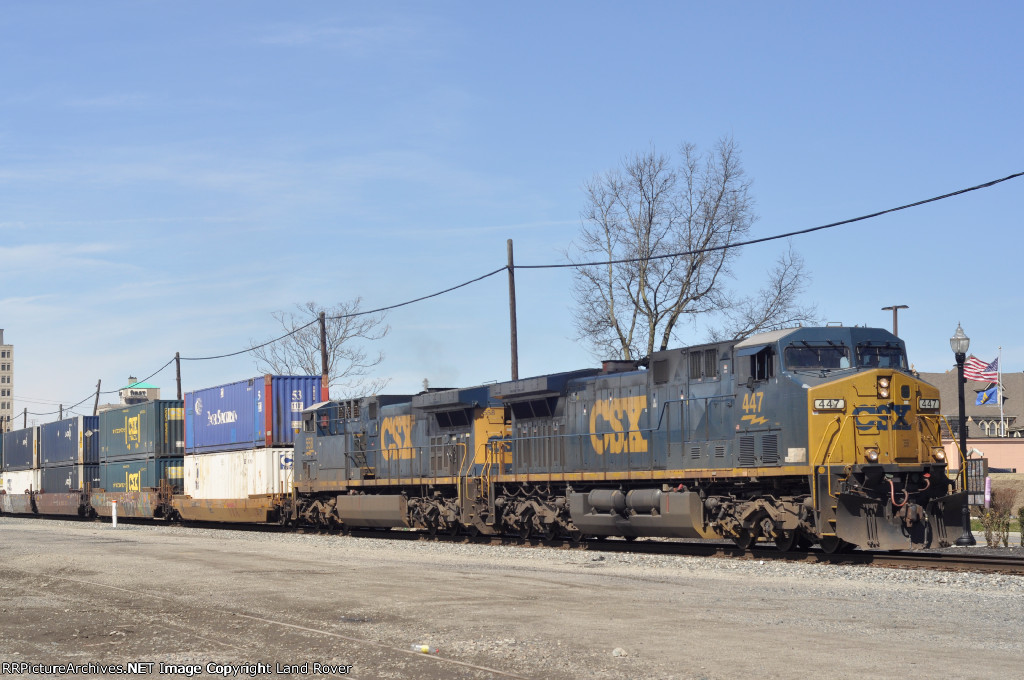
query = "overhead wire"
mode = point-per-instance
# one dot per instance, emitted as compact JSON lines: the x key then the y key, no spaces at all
{"x":776,"y":237}
{"x":697,"y":251}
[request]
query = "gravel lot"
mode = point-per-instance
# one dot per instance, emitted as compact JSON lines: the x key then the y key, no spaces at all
{"x":86,"y":593}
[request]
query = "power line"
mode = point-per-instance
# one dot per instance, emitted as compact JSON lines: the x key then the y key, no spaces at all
{"x":726,"y":246}
{"x":777,"y":236}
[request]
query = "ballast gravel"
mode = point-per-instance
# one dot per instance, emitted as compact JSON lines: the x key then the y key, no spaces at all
{"x":260,"y":604}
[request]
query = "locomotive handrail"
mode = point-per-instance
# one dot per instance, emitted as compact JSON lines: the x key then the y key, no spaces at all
{"x":963,"y":457}
{"x":842,"y":421}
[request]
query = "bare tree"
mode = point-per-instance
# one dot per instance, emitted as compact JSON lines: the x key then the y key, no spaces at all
{"x":667,"y":234}
{"x":773,"y":307}
{"x":347,"y":360}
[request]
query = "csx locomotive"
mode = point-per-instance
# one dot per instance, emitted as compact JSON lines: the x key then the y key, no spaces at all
{"x":795,"y":437}
{"x":799,"y":436}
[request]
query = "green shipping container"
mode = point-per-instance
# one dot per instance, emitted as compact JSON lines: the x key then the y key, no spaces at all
{"x":155,"y":429}
{"x":140,"y":474}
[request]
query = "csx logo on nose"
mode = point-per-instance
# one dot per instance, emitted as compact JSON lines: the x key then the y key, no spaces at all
{"x":877,"y":417}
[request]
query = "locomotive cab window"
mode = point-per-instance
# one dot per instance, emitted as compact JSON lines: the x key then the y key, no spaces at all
{"x":881,"y":356}
{"x":807,"y":357}
{"x":755,"y":362}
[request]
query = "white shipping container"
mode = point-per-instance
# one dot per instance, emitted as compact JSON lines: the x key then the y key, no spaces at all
{"x":20,"y":481}
{"x":239,"y":474}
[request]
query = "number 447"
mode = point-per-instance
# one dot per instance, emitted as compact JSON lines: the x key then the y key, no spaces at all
{"x":752,"y":402}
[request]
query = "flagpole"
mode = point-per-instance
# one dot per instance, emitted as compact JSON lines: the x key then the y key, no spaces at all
{"x":999,"y":393}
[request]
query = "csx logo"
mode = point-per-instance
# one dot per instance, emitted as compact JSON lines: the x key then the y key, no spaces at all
{"x":396,"y":437}
{"x":620,"y":419}
{"x":132,"y":430}
{"x":135,"y":482}
{"x":878,"y":417}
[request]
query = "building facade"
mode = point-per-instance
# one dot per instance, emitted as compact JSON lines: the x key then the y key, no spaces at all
{"x":984,"y":421}
{"x":6,"y":385}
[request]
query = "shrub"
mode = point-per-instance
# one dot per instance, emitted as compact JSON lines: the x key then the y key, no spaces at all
{"x":1020,"y":524}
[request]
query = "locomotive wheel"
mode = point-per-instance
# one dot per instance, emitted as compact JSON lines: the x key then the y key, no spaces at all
{"x":744,"y":539}
{"x":787,"y":541}
{"x":833,"y":545}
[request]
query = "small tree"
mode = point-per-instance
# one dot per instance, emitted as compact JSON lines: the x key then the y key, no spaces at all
{"x":347,"y":359}
{"x":667,"y":233}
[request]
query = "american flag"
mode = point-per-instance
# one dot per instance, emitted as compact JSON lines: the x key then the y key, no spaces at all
{"x":976,"y":369}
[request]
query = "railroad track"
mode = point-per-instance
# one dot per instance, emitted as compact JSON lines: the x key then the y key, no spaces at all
{"x":960,"y":559}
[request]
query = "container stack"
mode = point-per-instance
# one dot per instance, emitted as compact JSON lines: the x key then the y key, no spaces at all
{"x":69,"y":455}
{"x":240,"y":436}
{"x":140,"y":445}
{"x":21,"y":461}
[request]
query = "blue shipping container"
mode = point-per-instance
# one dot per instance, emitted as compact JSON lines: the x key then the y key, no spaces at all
{"x":249,"y":414}
{"x":139,"y":474}
{"x":72,"y":440}
{"x":66,"y":478}
{"x":20,"y":449}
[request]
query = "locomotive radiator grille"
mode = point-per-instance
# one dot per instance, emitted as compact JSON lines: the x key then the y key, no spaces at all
{"x":747,"y":457}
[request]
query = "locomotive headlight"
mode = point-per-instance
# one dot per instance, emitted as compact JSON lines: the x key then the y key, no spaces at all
{"x":939,"y":454}
{"x":871,"y":455}
{"x":883,"y":388}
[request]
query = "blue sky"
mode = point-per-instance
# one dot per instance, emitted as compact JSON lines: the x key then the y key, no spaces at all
{"x":171,"y":173}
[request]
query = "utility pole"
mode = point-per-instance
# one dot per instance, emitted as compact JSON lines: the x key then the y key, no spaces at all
{"x":24,"y":419}
{"x":512,"y":311}
{"x":895,"y":320}
{"x":60,"y":412}
{"x":323,"y":343}
{"x":177,"y":367}
{"x":96,"y":404}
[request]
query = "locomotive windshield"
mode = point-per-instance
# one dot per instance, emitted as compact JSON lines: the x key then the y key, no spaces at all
{"x":881,"y":356}
{"x":808,"y":357}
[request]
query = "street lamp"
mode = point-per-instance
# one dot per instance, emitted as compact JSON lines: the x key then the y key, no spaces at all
{"x":960,"y":343}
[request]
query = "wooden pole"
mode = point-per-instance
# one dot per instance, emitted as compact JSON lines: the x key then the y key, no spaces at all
{"x":96,"y":404}
{"x":323,"y":344}
{"x":512,"y":312}
{"x":177,"y":367}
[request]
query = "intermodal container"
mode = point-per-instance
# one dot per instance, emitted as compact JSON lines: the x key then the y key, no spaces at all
{"x":139,"y":474}
{"x":249,"y":414}
{"x":154,"y":429}
{"x":239,"y":474}
{"x":20,"y":449}
{"x":20,"y":481}
{"x":70,"y":441}
{"x":65,"y":478}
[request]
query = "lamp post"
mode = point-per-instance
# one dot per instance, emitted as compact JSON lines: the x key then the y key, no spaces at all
{"x":959,"y":344}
